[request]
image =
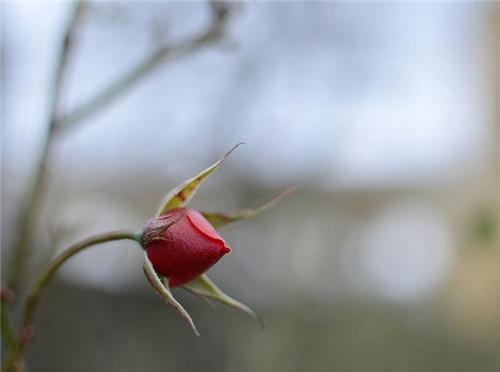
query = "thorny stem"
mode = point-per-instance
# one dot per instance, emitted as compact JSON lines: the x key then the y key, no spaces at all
{"x":41,"y":282}
{"x":33,"y":201}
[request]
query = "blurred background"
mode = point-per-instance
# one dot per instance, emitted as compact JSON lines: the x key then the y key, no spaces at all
{"x":387,"y":115}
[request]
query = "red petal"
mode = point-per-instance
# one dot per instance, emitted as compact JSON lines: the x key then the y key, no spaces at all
{"x":202,"y":225}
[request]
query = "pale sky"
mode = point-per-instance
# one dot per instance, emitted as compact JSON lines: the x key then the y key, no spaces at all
{"x":390,"y":99}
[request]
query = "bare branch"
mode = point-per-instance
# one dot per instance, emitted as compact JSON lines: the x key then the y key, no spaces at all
{"x":213,"y":33}
{"x":33,"y":198}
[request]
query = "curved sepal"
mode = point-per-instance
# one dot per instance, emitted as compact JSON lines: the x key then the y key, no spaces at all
{"x":202,"y":286}
{"x":164,"y":292}
{"x":180,"y":196}
{"x":218,"y":220}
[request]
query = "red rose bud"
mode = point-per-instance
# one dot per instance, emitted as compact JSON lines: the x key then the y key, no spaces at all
{"x":182,"y":245}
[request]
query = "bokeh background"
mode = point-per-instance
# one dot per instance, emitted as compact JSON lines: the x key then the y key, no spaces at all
{"x":387,"y":115}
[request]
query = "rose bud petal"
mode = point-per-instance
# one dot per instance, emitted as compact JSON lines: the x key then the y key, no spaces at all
{"x":182,"y":245}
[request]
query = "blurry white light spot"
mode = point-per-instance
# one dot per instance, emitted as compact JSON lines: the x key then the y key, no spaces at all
{"x":406,"y":252}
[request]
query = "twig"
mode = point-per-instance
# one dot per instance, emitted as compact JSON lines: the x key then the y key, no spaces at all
{"x":32,"y":202}
{"x":38,"y":288}
{"x":213,"y":33}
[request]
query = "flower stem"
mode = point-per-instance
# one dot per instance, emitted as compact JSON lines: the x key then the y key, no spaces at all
{"x":39,"y":285}
{"x":7,"y":331}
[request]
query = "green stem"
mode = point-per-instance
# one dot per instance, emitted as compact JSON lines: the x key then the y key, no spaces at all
{"x":38,"y":288}
{"x":7,"y":331}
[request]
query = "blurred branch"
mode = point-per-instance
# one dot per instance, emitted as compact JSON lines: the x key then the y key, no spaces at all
{"x":32,"y":202}
{"x":213,"y":33}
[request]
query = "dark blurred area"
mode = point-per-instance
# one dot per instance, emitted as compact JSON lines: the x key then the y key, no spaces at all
{"x":387,"y":115}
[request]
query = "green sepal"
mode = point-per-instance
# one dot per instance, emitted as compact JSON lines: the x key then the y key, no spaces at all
{"x":202,"y":286}
{"x":164,"y":291}
{"x":180,"y":196}
{"x":218,"y":220}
